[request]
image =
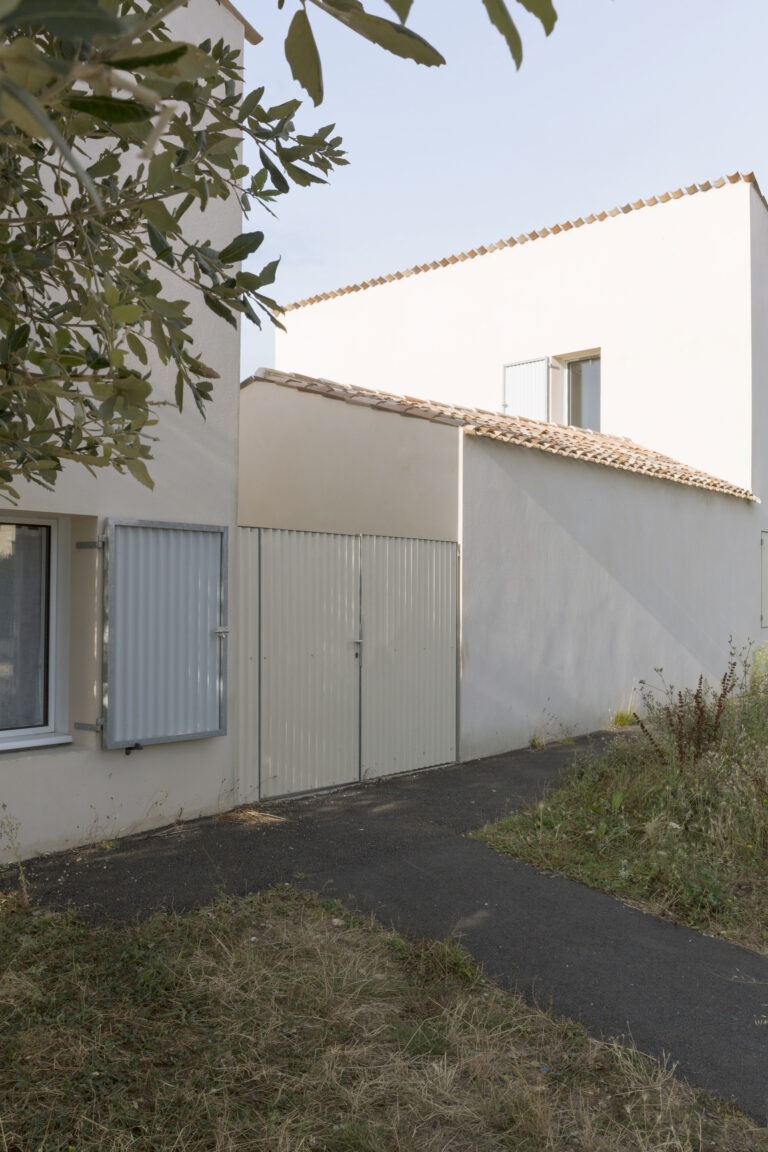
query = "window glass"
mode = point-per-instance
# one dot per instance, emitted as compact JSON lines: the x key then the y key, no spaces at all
{"x":24,"y":625}
{"x":584,"y":393}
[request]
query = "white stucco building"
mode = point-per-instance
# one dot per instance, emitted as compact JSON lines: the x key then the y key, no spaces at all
{"x":645,"y":321}
{"x":583,"y":562}
{"x":407,"y":583}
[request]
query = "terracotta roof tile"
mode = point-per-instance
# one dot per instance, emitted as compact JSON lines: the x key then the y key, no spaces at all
{"x":513,"y":241}
{"x":561,"y":440}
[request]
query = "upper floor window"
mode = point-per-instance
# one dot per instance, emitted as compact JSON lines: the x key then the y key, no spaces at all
{"x":563,"y":390}
{"x":583,"y":387}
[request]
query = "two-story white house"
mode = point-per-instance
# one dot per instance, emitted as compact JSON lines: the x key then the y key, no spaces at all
{"x":647,"y":321}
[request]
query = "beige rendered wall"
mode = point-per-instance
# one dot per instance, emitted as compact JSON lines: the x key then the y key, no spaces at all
{"x":61,"y":796}
{"x":580,"y":580}
{"x":663,"y":292}
{"x":321,"y":465}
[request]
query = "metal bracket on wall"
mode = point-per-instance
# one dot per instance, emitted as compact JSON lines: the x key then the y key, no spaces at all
{"x":97,"y":727}
{"x":99,"y":542}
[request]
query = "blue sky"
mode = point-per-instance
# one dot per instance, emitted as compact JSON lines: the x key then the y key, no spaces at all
{"x":626,"y":99}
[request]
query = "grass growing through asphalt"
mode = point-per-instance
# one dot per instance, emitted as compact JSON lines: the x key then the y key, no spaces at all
{"x":279,"y":1023}
{"x":673,"y":815}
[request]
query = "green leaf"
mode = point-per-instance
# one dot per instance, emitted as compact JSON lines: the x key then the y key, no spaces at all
{"x":301,"y":176}
{"x":106,"y":165}
{"x":268,"y":272}
{"x":401,"y":8}
{"x":392,"y":37}
{"x":160,"y":176}
{"x":278,"y":179}
{"x":543,"y":10}
{"x":241,"y":247}
{"x":134,"y":389}
{"x":303,"y":57}
{"x":341,"y":5}
{"x":160,"y":244}
{"x":156,"y":212}
{"x":70,"y":19}
{"x":501,"y":19}
{"x":18,"y":338}
{"x":159,"y":339}
{"x":38,"y":114}
{"x":138,"y":470}
{"x":137,"y":347}
{"x":251,"y":101}
{"x":220,"y":309}
{"x":285,"y":111}
{"x":126,"y":313}
{"x":111,"y":109}
{"x":150,"y":56}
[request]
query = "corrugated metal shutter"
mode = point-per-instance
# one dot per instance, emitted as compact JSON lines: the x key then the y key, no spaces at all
{"x":526,"y":389}
{"x":310,"y":668}
{"x":408,"y":706}
{"x":165,"y":654}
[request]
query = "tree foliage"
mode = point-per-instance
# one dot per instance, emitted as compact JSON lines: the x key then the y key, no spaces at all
{"x":303,"y":56}
{"x":115,"y":139}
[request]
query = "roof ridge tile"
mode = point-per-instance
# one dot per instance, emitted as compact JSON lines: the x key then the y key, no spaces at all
{"x":610,"y":451}
{"x":524,"y":238}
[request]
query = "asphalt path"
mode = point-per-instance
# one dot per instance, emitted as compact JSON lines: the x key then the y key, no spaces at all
{"x":399,"y":848}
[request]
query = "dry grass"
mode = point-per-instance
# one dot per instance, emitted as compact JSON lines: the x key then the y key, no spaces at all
{"x":281,"y":1023}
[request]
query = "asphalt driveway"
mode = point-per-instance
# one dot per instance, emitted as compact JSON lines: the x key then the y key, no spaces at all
{"x":399,"y":848}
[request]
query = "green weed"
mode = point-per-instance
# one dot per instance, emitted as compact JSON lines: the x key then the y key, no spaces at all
{"x":674,"y":815}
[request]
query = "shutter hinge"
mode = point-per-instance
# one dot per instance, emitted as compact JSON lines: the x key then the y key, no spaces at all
{"x":99,"y":542}
{"x":97,"y":727}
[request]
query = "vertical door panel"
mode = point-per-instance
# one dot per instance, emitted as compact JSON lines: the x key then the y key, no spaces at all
{"x":246,"y":639}
{"x":309,"y":664}
{"x":409,"y":617}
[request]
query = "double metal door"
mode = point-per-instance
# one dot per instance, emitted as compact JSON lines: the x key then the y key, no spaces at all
{"x":357,"y":651}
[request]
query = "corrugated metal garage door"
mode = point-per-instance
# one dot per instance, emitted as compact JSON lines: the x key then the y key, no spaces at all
{"x":310,"y":680}
{"x":409,"y":654}
{"x":356,"y":646}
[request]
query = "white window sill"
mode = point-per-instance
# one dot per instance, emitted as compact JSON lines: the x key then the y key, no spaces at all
{"x":45,"y":740}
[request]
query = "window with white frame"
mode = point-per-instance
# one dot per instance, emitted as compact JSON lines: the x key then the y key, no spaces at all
{"x":27,"y":628}
{"x":562,"y":390}
{"x":583,"y":384}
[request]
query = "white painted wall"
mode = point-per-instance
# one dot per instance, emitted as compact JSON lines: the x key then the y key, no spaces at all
{"x":75,"y":794}
{"x":580,"y":580}
{"x":320,"y":465}
{"x":663,"y":292}
{"x":759,"y":336}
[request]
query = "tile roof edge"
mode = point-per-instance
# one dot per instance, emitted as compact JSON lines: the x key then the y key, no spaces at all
{"x":525,"y":237}
{"x":479,"y":422}
{"x":250,"y":33}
